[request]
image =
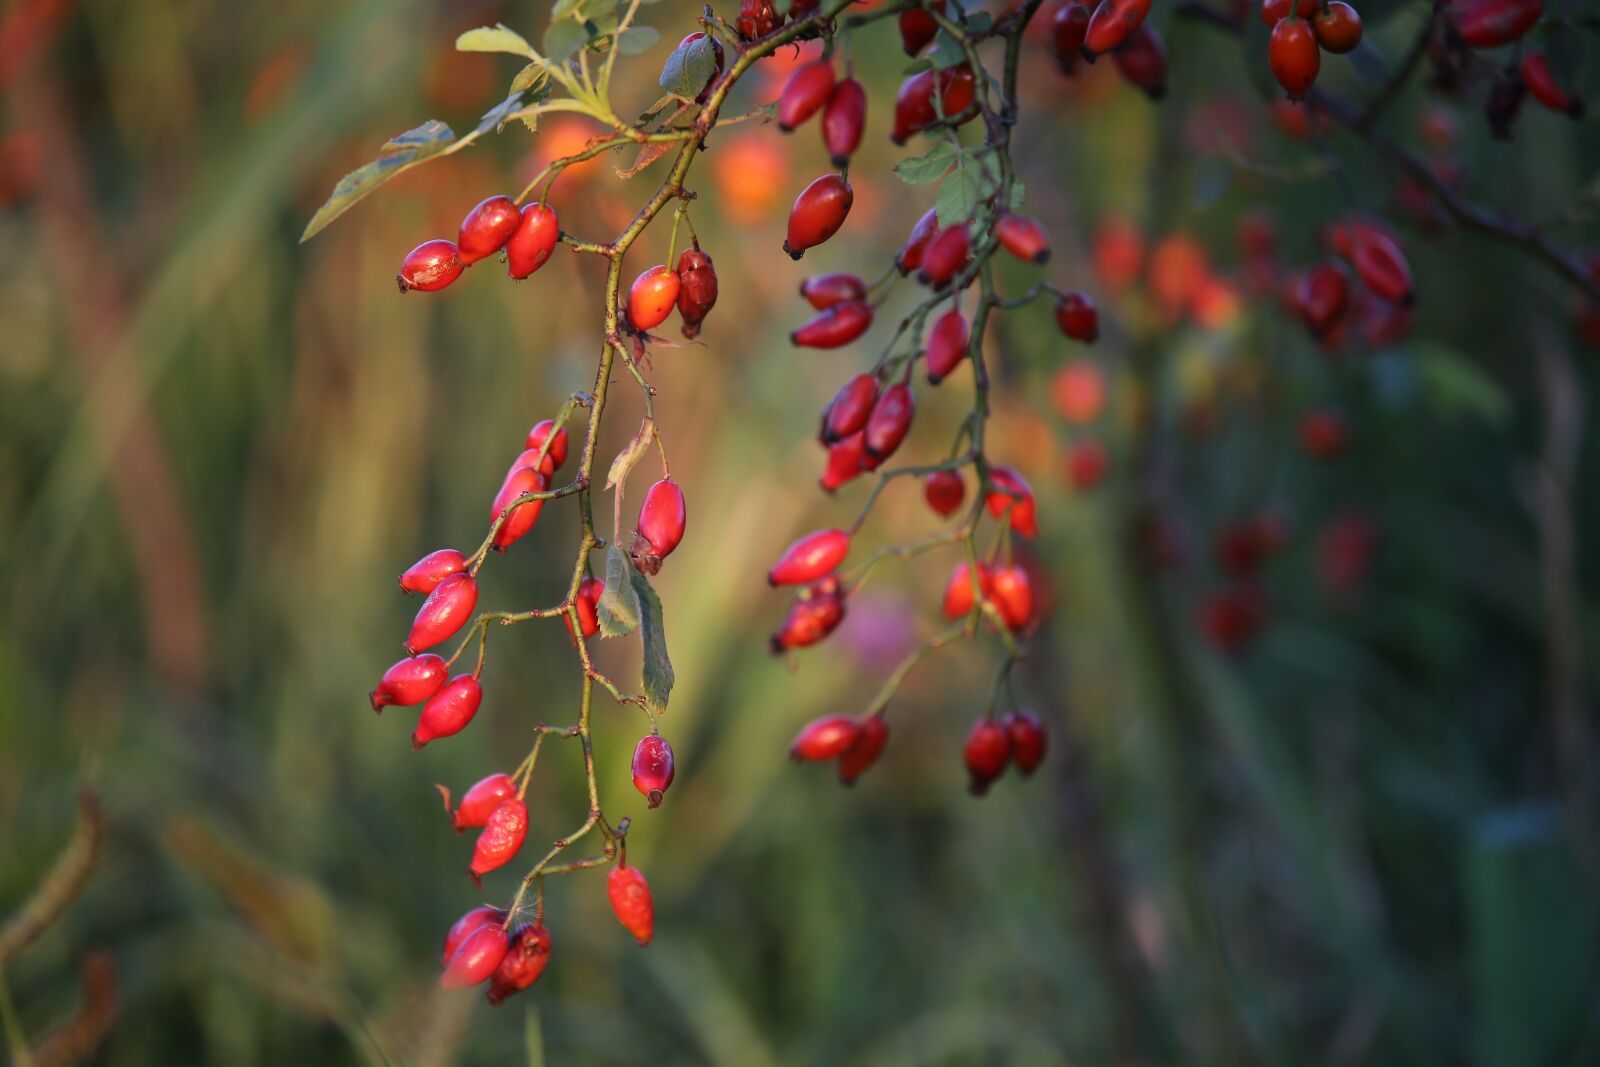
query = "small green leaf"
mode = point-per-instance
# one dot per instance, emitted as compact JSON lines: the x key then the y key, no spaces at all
{"x":618,"y":609}
{"x":929,"y":167}
{"x":946,"y":52}
{"x":658,"y":675}
{"x":636,"y":39}
{"x":563,"y":39}
{"x":957,"y":199}
{"x":530,"y":77}
{"x":688,"y":68}
{"x":398,"y":154}
{"x":496,"y":38}
{"x":496,"y":116}
{"x":918,"y":66}
{"x":563,"y":8}
{"x":1458,"y":386}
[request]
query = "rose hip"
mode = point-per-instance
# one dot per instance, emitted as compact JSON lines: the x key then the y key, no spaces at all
{"x":653,"y":767}
{"x":661,"y":523}
{"x":518,"y":483}
{"x":449,"y":710}
{"x":805,"y":93}
{"x":479,"y":953}
{"x":536,"y":236}
{"x":590,"y":590}
{"x":859,"y":757}
{"x":487,"y":228}
{"x":446,"y":610}
{"x":815,"y":614}
{"x":652,"y":297}
{"x":922,"y":234}
{"x":425,"y":574}
{"x":947,"y":345}
{"x":850,"y":408}
{"x":834,"y":327}
{"x":411,"y":681}
{"x":480,"y":801}
{"x":845,"y":459}
{"x":917,"y":27}
{"x":812,"y":557}
{"x":958,"y":600}
{"x":430,"y":266}
{"x":1077,"y":317}
{"x":1023,"y":237}
{"x":1012,"y":593}
{"x":1112,"y":23}
{"x":825,"y":738}
{"x":697,"y":292}
{"x":501,"y":838}
{"x":1013,"y":495}
{"x":818,"y":212}
{"x":946,"y":256}
{"x":944,"y":491}
{"x":1028,"y":739}
{"x":523,"y":963}
{"x":987,"y":751}
{"x":843,"y":121}
{"x":822,"y":291}
{"x":556,"y":453}
{"x":484,"y":915}
{"x":630,"y":900}
{"x":889,"y":422}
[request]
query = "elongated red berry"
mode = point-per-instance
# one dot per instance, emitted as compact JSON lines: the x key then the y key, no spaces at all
{"x":661,"y":522}
{"x":446,"y":610}
{"x":818,"y":212}
{"x":520,"y":482}
{"x":536,"y":237}
{"x":850,"y":408}
{"x":476,"y":958}
{"x":524,"y":961}
{"x":914,"y":105}
{"x":1011,"y":590}
{"x":947,"y":345}
{"x":834,"y":327}
{"x":987,"y":751}
{"x":590,"y":590}
{"x":425,"y":574}
{"x":1337,"y":27}
{"x":944,"y":491}
{"x":815,"y":614}
{"x":1142,"y":62}
{"x":845,"y":458}
{"x":1028,"y":739}
{"x":652,"y":296}
{"x":1087,"y":463}
{"x":889,"y":422}
{"x":922,"y":234}
{"x":1068,"y":28}
{"x":1381,"y":264}
{"x":1542,"y":83}
{"x":805,"y":93}
{"x":825,"y":738}
{"x":1112,"y":23}
{"x":822,"y":291}
{"x":1023,"y":236}
{"x":1323,"y":296}
{"x":859,"y":757}
{"x":1492,"y":23}
{"x":630,"y":900}
{"x":483,"y":915}
{"x":487,"y":228}
{"x":556,"y":453}
{"x":697,"y":291}
{"x":1018,"y":501}
{"x":653,"y":767}
{"x":479,"y":802}
{"x":917,"y":27}
{"x":430,"y":266}
{"x":1294,"y":57}
{"x":947,"y":255}
{"x":1077,"y":317}
{"x":448,"y":711}
{"x":814,"y":556}
{"x":411,"y":681}
{"x":958,"y":599}
{"x":844,"y":120}
{"x":501,"y":838}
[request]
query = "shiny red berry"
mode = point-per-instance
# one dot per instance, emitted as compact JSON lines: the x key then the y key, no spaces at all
{"x":1542,"y":83}
{"x":1492,"y":23}
{"x":1381,"y":264}
{"x":825,"y":738}
{"x":947,"y":255}
{"x":487,"y":228}
{"x":958,"y":600}
{"x":631,"y":902}
{"x":914,"y":105}
{"x":922,"y":234}
{"x":1322,"y":297}
{"x":652,"y":296}
{"x":1028,"y":739}
{"x":1112,"y":23}
{"x":859,"y":758}
{"x":822,"y":291}
{"x":520,"y":482}
{"x":1337,"y":27}
{"x":814,"y":556}
{"x":425,"y":574}
{"x":661,"y":522}
{"x":805,"y":93}
{"x":845,"y":461}
{"x":1294,"y":57}
{"x":480,"y":801}
{"x":889,"y":422}
{"x":556,"y":453}
{"x":818,"y":212}
{"x":850,"y":408}
{"x":524,"y":961}
{"x":917,"y":27}
{"x":1011,"y":590}
{"x":813,"y":615}
{"x":844,"y":120}
{"x":1023,"y":236}
{"x":1068,"y":28}
{"x":430,"y":266}
{"x":446,"y":610}
{"x":411,"y":681}
{"x":835,"y":326}
{"x":590,"y":590}
{"x":1016,"y":499}
{"x":501,"y":838}
{"x":535,"y":238}
{"x":476,"y":958}
{"x":944,"y":491}
{"x":986,"y":753}
{"x":653,"y":767}
{"x":697,"y":292}
{"x":448,"y":711}
{"x":947,"y":345}
{"x":483,"y":915}
{"x":1077,"y":317}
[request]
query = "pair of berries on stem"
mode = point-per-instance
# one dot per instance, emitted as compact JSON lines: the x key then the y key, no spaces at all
{"x":690,"y":288}
{"x":527,"y":235}
{"x":1301,"y":31}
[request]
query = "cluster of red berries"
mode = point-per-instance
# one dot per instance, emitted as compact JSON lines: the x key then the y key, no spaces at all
{"x":1116,"y":28}
{"x":527,"y":236}
{"x":691,"y":288}
{"x":1324,"y":295}
{"x":1301,"y":31}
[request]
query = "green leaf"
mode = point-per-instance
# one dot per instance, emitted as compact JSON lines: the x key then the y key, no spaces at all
{"x":946,"y":52}
{"x":636,"y":39}
{"x":979,"y":22}
{"x":658,"y":676}
{"x":563,"y":39}
{"x":688,"y":68}
{"x":496,"y":38}
{"x":1457,"y":386}
{"x":496,"y":116}
{"x":618,"y":609}
{"x":958,"y":197}
{"x":532,"y":76}
{"x":398,"y":154}
{"x":929,"y":167}
{"x":563,"y":8}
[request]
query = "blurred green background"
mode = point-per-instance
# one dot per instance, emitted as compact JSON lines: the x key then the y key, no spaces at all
{"x":1367,"y":838}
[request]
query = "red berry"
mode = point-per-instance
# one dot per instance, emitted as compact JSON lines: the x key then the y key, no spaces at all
{"x":1112,"y":23}
{"x":815,"y":613}
{"x":411,"y":681}
{"x":449,"y":710}
{"x":1142,"y":62}
{"x":825,"y":738}
{"x":944,"y":491}
{"x":630,"y":900}
{"x":835,"y":326}
{"x":1492,"y":23}
{"x":653,"y":767}
{"x":850,"y":408}
{"x":1023,"y":236}
{"x":718,"y":55}
{"x":1323,"y":296}
{"x":660,"y":527}
{"x":917,"y":27}
{"x":446,"y":610}
{"x":1275,"y":11}
{"x":1323,"y":434}
{"x":483,"y":915}
{"x":1018,"y":501}
{"x":556,"y":453}
{"x":487,"y":228}
{"x":859,"y":757}
{"x":521,"y":481}
{"x":814,"y":556}
{"x":425,"y":574}
{"x":501,"y":838}
{"x":1337,"y":27}
{"x":479,"y":953}
{"x":697,"y":293}
{"x":1541,"y":82}
{"x":1028,"y":739}
{"x":1294,"y":57}
{"x":947,"y":345}
{"x":958,"y":599}
{"x":818,"y":212}
{"x":1012,"y":593}
{"x":1381,"y":264}
{"x":652,"y":297}
{"x":590,"y":590}
{"x":429,"y":266}
{"x":844,"y":120}
{"x":480,"y":801}
{"x":946,"y":256}
{"x":889,"y":422}
{"x":1087,"y":463}
{"x":757,"y":18}
{"x":845,"y":461}
{"x":537,"y":236}
{"x":523,"y":963}
{"x":1077,"y":317}
{"x":987,"y":750}
{"x":916,"y":246}
{"x":805,"y":93}
{"x":822,"y":291}
{"x":914,"y":109}
{"x":1068,"y":29}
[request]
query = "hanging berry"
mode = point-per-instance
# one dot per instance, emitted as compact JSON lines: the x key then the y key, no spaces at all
{"x":660,"y":527}
{"x":859,"y":758}
{"x":814,"y":556}
{"x":1142,"y":62}
{"x":914,"y":105}
{"x":1337,"y":27}
{"x":448,"y":711}
{"x":536,"y":236}
{"x":889,"y":422}
{"x":652,"y":297}
{"x":479,"y":802}
{"x":947,"y":345}
{"x":697,"y":292}
{"x":917,"y":27}
{"x":1087,"y":463}
{"x":805,"y":93}
{"x":958,"y":599}
{"x":1492,"y":23}
{"x":987,"y":751}
{"x":922,"y":234}
{"x":1322,"y":297}
{"x":1011,"y":590}
{"x":446,"y":610}
{"x":630,"y":900}
{"x":845,"y":458}
{"x":479,"y":953}
{"x":430,"y":266}
{"x":1077,"y":317}
{"x":484,"y":915}
{"x":587,"y":602}
{"x":824,"y":739}
{"x":1113,"y":22}
{"x":425,"y":574}
{"x":487,"y":228}
{"x":813,"y":615}
{"x":1294,"y":57}
{"x":1023,"y":236}
{"x":1028,"y":739}
{"x":1013,"y":495}
{"x":850,"y":408}
{"x":523,"y":963}
{"x":834,"y":326}
{"x":518,"y":483}
{"x":947,"y":255}
{"x":501,"y":838}
{"x":944,"y":491}
{"x":411,"y":681}
{"x":556,"y":453}
{"x":653,"y":767}
{"x":1542,"y":83}
{"x":844,"y":120}
{"x":1068,"y":28}
{"x":818,"y":212}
